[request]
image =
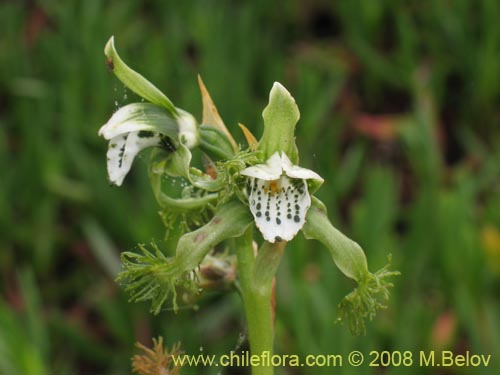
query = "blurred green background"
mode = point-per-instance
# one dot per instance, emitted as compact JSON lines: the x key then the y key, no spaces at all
{"x":400,"y":114}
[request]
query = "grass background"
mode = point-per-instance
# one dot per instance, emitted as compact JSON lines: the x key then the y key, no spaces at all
{"x":399,"y":114}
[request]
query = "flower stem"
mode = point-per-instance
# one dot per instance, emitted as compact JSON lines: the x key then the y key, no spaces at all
{"x":256,"y":280}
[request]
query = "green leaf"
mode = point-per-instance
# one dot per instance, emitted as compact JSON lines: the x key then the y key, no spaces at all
{"x":102,"y":246}
{"x":280,"y":117}
{"x":134,"y":81}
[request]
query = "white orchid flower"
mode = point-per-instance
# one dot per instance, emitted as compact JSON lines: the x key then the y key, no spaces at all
{"x":153,"y":122}
{"x":137,"y":126}
{"x":279,"y":196}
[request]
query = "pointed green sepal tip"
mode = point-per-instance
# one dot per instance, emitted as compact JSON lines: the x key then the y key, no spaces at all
{"x":362,"y":304}
{"x":149,"y":275}
{"x":134,"y":81}
{"x":372,"y":291}
{"x":280,"y":117}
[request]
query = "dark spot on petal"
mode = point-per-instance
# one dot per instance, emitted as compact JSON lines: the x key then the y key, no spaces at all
{"x":258,"y":214}
{"x":145,"y":134}
{"x":258,"y":206}
{"x":296,"y":218}
{"x":167,"y":143}
{"x":278,"y":239}
{"x":278,"y":221}
{"x":289,"y":216}
{"x":268,"y":218}
{"x":267,"y":213}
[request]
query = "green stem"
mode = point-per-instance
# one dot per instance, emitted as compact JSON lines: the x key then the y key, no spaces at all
{"x":256,"y":280}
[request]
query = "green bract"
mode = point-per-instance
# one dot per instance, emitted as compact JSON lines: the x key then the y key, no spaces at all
{"x":235,"y":187}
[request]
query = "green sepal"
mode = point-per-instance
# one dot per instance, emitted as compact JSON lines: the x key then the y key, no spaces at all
{"x":153,"y":276}
{"x":280,"y":117}
{"x":347,"y":254}
{"x":134,"y":81}
{"x":372,"y":290}
{"x":215,"y":143}
{"x":230,"y":220}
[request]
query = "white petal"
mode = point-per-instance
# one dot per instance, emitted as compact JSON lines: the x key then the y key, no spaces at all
{"x":139,"y":116}
{"x":188,"y":129}
{"x":279,"y":207}
{"x":270,"y":170}
{"x":303,"y":173}
{"x":295,"y":171}
{"x":123,"y":149}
